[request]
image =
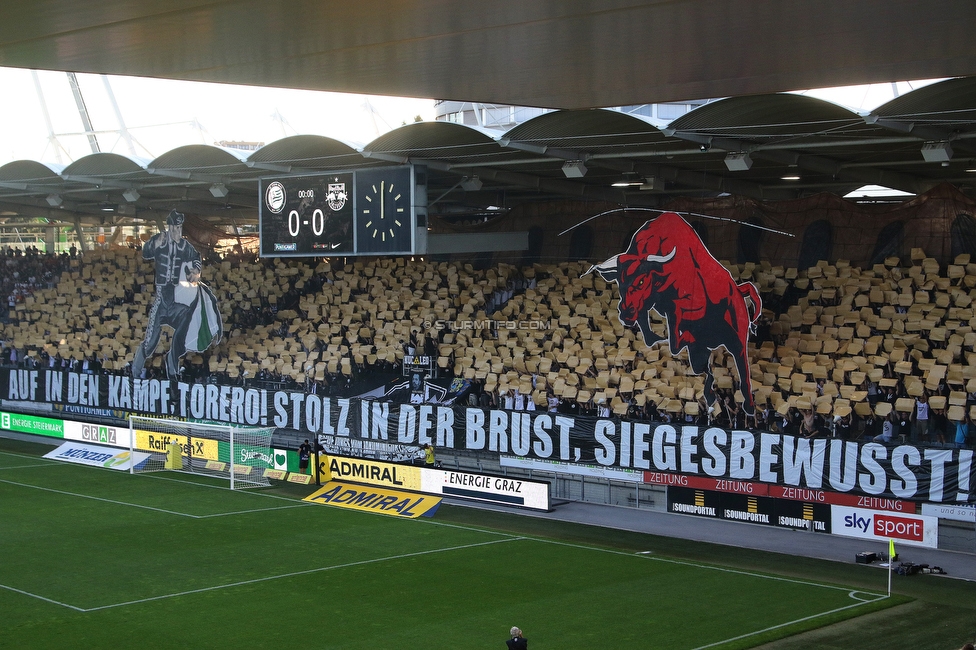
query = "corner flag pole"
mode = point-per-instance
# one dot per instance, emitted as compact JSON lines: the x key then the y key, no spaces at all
{"x":891,"y":562}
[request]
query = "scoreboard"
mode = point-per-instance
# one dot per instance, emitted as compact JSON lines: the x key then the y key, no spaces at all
{"x":374,"y":211}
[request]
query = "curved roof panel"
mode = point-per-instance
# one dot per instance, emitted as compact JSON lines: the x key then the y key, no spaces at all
{"x":949,"y":101}
{"x":28,"y":170}
{"x":433,"y":137}
{"x":308,"y":151}
{"x":444,"y":141}
{"x":200,"y":157}
{"x":596,"y":131}
{"x":105,"y":164}
{"x":767,"y":116}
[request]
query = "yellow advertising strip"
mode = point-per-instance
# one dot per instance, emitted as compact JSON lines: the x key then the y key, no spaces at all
{"x":372,"y":472}
{"x":196,"y":447}
{"x":371,"y":499}
{"x":216,"y":466}
{"x":304,"y":479}
{"x":243,"y":469}
{"x":276,"y":474}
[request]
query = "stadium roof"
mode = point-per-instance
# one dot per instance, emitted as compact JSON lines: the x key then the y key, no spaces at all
{"x":767,"y":147}
{"x":548,"y":53}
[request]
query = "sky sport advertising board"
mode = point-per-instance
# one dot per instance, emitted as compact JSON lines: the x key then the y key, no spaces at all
{"x":916,"y":530}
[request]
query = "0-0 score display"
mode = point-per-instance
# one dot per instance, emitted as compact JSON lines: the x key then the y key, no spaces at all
{"x":362,"y":212}
{"x":307,"y":216}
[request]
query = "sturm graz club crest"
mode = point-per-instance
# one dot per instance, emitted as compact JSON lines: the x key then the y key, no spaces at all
{"x":275,"y":197}
{"x":337,"y":196}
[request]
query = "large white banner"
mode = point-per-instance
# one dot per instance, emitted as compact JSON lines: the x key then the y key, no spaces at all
{"x":903,"y":472}
{"x":917,"y":530}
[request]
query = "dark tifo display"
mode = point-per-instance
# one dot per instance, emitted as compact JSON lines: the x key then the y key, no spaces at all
{"x":359,"y":212}
{"x":902,"y":472}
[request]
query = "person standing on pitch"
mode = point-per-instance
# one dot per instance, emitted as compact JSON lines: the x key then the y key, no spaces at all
{"x":304,"y":453}
{"x":517,"y":642}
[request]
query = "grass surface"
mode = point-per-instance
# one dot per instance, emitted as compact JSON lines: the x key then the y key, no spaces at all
{"x":94,"y":558}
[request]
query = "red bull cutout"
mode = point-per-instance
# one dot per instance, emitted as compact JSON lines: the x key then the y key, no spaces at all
{"x":667,"y":269}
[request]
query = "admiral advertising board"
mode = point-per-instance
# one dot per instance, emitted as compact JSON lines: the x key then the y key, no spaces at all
{"x":467,"y":485}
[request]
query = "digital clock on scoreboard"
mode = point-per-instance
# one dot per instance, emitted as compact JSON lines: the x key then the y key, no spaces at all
{"x":360,"y":212}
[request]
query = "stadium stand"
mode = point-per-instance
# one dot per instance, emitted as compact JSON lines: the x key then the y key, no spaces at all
{"x":838,"y":348}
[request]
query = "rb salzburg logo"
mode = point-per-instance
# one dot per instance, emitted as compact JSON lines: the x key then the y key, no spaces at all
{"x":337,"y":196}
{"x":667,"y":269}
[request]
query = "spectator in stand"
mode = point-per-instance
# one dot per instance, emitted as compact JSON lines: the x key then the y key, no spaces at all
{"x":552,"y":402}
{"x":904,"y":428}
{"x":508,"y":400}
{"x":871,"y":426}
{"x":519,"y":400}
{"x":962,"y":430}
{"x":809,"y":424}
{"x":887,"y":430}
{"x":842,"y":424}
{"x":920,"y":417}
{"x":938,"y":425}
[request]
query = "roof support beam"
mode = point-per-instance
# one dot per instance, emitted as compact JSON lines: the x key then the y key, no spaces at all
{"x":923,"y":132}
{"x":819,"y":164}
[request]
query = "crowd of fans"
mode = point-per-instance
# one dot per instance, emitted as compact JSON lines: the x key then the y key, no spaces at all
{"x":881,"y":353}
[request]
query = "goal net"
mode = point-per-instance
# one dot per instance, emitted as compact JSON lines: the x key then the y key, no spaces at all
{"x":239,"y":454}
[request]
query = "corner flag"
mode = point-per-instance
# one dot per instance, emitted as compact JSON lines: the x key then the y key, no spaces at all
{"x":891,"y":562}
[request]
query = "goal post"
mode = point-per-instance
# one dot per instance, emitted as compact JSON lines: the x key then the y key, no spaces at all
{"x":237,"y":454}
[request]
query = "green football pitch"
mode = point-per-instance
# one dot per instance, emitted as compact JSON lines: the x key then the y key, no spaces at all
{"x":96,"y":558}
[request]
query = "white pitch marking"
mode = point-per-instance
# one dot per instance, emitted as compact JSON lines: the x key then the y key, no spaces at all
{"x":86,"y":496}
{"x":774,"y":627}
{"x":244,"y":512}
{"x":27,"y":466}
{"x":300,"y":573}
{"x":47,"y":600}
{"x":699,"y":566}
